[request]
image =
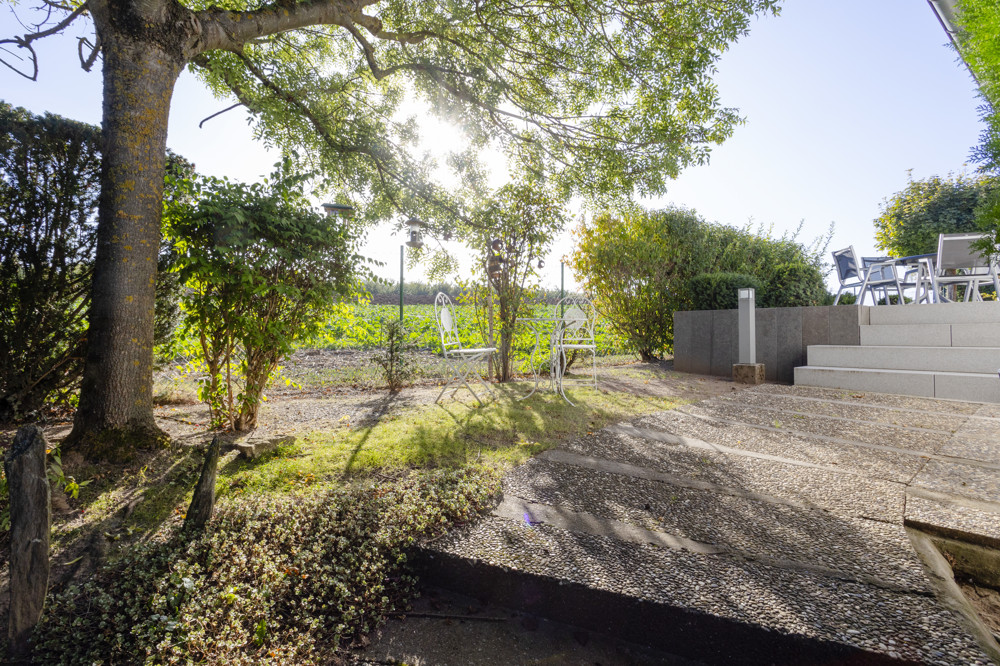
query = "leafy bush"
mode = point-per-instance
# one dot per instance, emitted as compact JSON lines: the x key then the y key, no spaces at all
{"x":279,"y":580}
{"x":261,"y":270}
{"x":637,"y":266}
{"x":912,"y":218}
{"x":718,"y":291}
{"x":394,"y":355}
{"x":795,"y":285}
{"x":49,"y":186}
{"x":510,"y":230}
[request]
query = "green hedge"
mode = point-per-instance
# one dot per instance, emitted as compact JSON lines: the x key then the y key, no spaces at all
{"x":794,"y":285}
{"x":718,"y":291}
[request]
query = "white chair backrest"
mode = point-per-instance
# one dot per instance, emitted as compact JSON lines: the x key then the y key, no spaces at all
{"x":846,"y":261}
{"x":881,"y":273}
{"x":444,"y":317}
{"x":576,"y":317}
{"x":954,"y":253}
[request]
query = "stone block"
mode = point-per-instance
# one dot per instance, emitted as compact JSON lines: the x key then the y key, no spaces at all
{"x":683,"y":329}
{"x":724,"y":332}
{"x":701,"y":342}
{"x":815,"y":326}
{"x":748,"y":373}
{"x":845,"y":324}
{"x":788,"y":343}
{"x":30,"y":518}
{"x":767,"y":340}
{"x":254,"y":448}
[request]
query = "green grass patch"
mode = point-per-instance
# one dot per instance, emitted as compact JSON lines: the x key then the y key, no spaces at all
{"x":451,"y":434}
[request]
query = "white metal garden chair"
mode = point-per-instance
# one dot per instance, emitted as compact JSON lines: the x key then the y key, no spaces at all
{"x":958,"y":264}
{"x":574,"y":332}
{"x":461,"y":362}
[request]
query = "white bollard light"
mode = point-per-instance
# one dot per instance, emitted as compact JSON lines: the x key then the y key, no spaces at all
{"x":748,"y":327}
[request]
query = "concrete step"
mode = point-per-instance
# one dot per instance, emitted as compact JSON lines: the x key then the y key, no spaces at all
{"x":768,"y":614}
{"x":931,"y":335}
{"x":972,"y":387}
{"x":983,"y":360}
{"x":987,"y":312}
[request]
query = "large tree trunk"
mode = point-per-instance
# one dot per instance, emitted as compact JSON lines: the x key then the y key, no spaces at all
{"x":115,"y":415}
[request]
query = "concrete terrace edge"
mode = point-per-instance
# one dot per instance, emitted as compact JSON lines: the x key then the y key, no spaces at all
{"x":687,"y":633}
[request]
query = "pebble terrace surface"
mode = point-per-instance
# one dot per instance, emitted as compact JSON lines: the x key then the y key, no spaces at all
{"x":783,"y":508}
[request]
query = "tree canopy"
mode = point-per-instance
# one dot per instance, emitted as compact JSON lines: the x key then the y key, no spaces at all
{"x":603,"y":99}
{"x":980,"y":24}
{"x":912,"y":218}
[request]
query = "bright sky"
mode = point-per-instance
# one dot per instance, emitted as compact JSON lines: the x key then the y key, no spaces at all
{"x":841,"y":98}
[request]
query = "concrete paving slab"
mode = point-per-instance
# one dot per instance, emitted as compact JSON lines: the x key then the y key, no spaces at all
{"x":978,"y":446}
{"x":876,"y":552}
{"x":953,"y":517}
{"x":863,"y":432}
{"x":966,"y":480}
{"x":936,"y":421}
{"x":879,"y":399}
{"x":827,"y":488}
{"x":782,"y":443}
{"x":781,"y":600}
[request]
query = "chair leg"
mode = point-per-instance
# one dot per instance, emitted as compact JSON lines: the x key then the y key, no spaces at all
{"x":562,"y":384}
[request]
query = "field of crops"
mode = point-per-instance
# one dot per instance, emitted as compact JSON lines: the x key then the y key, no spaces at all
{"x":356,"y":326}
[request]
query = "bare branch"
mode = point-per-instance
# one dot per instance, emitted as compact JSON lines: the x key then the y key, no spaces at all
{"x":88,"y":62}
{"x":25,"y":41}
{"x":219,"y":113}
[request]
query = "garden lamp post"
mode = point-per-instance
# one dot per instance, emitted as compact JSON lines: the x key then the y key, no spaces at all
{"x":415,"y":229}
{"x":338,"y":210}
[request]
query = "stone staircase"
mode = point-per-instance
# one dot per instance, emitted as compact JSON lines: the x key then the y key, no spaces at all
{"x":949,"y":351}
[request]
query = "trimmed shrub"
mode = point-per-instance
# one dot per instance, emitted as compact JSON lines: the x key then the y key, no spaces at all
{"x":794,"y":285}
{"x":49,"y":186}
{"x":718,"y":291}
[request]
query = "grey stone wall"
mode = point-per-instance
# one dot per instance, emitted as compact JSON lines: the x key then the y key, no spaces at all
{"x":706,"y":342}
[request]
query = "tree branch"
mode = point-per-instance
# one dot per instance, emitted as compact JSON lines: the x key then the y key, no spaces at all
{"x":25,"y":41}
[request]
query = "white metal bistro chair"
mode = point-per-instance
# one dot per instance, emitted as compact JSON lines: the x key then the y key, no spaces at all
{"x":848,"y":272}
{"x":574,"y":332}
{"x":461,"y":362}
{"x":958,"y":264}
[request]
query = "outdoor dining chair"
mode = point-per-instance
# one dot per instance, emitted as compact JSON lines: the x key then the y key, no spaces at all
{"x":880,"y":275}
{"x":848,"y":271}
{"x":959,"y":264}
{"x":460,"y":361}
{"x":574,"y":332}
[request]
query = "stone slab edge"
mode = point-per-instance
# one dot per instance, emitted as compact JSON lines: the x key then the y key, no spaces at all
{"x":692,"y":634}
